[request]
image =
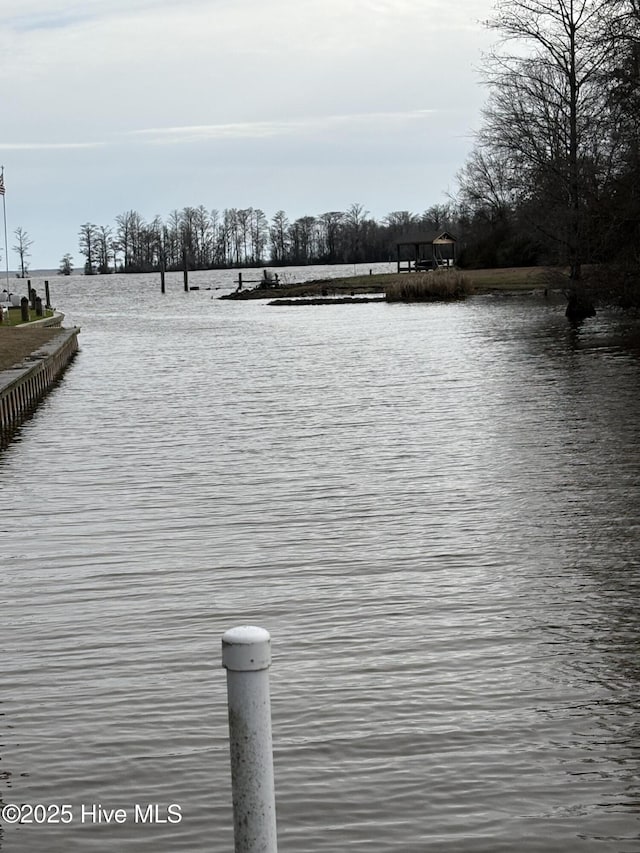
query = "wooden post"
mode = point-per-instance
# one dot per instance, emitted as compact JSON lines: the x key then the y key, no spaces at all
{"x":239,"y":281}
{"x":162,"y":287}
{"x":39,"y":311}
{"x":185,"y":270}
{"x":47,"y":294}
{"x":24,"y":309}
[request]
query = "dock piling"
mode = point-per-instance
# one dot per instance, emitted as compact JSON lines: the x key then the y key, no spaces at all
{"x":246,"y":655}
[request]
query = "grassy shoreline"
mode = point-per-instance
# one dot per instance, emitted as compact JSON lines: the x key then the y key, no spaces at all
{"x":19,"y":339}
{"x":512,"y":279}
{"x":17,"y":344}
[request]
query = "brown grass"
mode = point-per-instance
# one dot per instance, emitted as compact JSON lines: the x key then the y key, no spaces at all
{"x":512,"y":279}
{"x":438,"y":286}
{"x":515,"y":278}
{"x":18,"y":344}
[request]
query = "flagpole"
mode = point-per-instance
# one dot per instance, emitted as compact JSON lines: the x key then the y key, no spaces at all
{"x":4,"y":216}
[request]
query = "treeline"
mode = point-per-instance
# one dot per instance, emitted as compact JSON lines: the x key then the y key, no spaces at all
{"x":210,"y":239}
{"x":554,"y":176}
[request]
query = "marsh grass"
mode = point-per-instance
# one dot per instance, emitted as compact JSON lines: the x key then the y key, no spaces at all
{"x":437,"y":286}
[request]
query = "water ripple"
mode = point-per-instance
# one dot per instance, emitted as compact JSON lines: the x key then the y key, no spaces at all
{"x":432,"y":508}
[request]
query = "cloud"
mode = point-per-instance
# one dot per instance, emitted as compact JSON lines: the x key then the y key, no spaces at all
{"x":314,"y":126}
{"x":48,"y":146}
{"x":34,"y":15}
{"x":263,"y":129}
{"x":299,"y":104}
{"x":222,"y":64}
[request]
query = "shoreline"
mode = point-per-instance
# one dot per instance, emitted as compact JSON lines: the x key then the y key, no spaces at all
{"x":18,"y":344}
{"x":38,"y":358}
{"x":508,"y":279}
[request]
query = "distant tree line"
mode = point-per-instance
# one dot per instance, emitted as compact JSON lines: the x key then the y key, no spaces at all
{"x":241,"y":237}
{"x":553,"y":178}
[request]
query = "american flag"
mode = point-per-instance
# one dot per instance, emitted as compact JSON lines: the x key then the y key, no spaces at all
{"x":1,"y":184}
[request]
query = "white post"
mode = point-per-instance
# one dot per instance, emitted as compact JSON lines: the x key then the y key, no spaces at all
{"x":246,"y":655}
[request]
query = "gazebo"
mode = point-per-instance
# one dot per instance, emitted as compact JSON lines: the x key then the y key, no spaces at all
{"x":426,"y":253}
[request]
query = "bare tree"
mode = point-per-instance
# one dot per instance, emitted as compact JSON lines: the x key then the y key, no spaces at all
{"x":66,"y":265}
{"x":103,"y":243}
{"x":543,"y":113}
{"x":487,"y":184}
{"x":622,"y":204}
{"x":23,"y":244}
{"x":259,"y":235}
{"x":331,"y":226}
{"x":437,"y":217}
{"x":232,"y":235}
{"x":354,"y":220}
{"x":243,"y":219}
{"x":278,"y":237}
{"x":172,"y":245}
{"x":124,"y":236}
{"x":204,"y":238}
{"x":301,"y":233}
{"x":88,"y":237}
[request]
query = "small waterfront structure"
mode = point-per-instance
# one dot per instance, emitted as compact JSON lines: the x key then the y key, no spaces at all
{"x":426,"y":252}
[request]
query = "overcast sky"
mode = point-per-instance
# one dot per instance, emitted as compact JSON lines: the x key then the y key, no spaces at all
{"x":301,"y":105}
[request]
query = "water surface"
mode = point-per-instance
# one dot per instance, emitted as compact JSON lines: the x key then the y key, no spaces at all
{"x":432,"y":508}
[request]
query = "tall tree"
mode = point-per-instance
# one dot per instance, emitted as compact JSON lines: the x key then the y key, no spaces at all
{"x":622,"y":204}
{"x":354,"y":223}
{"x":302,"y":239}
{"x":124,"y":236}
{"x":278,"y":237}
{"x":437,"y":217}
{"x":541,"y":115}
{"x":88,"y":237}
{"x":204,"y":238}
{"x":21,"y":248}
{"x":259,"y":235}
{"x":331,"y":226}
{"x":103,"y":243}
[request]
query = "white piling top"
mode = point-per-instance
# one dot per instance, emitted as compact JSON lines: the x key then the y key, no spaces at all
{"x":246,"y":648}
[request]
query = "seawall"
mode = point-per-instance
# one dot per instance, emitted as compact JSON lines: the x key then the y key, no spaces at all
{"x":25,"y":384}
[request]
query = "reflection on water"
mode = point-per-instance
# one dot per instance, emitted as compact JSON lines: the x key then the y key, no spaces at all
{"x":433,"y":509}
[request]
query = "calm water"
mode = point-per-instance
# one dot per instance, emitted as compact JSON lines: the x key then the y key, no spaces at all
{"x":435,"y":511}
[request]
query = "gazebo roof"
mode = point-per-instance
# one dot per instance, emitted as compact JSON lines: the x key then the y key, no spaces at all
{"x":438,"y":237}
